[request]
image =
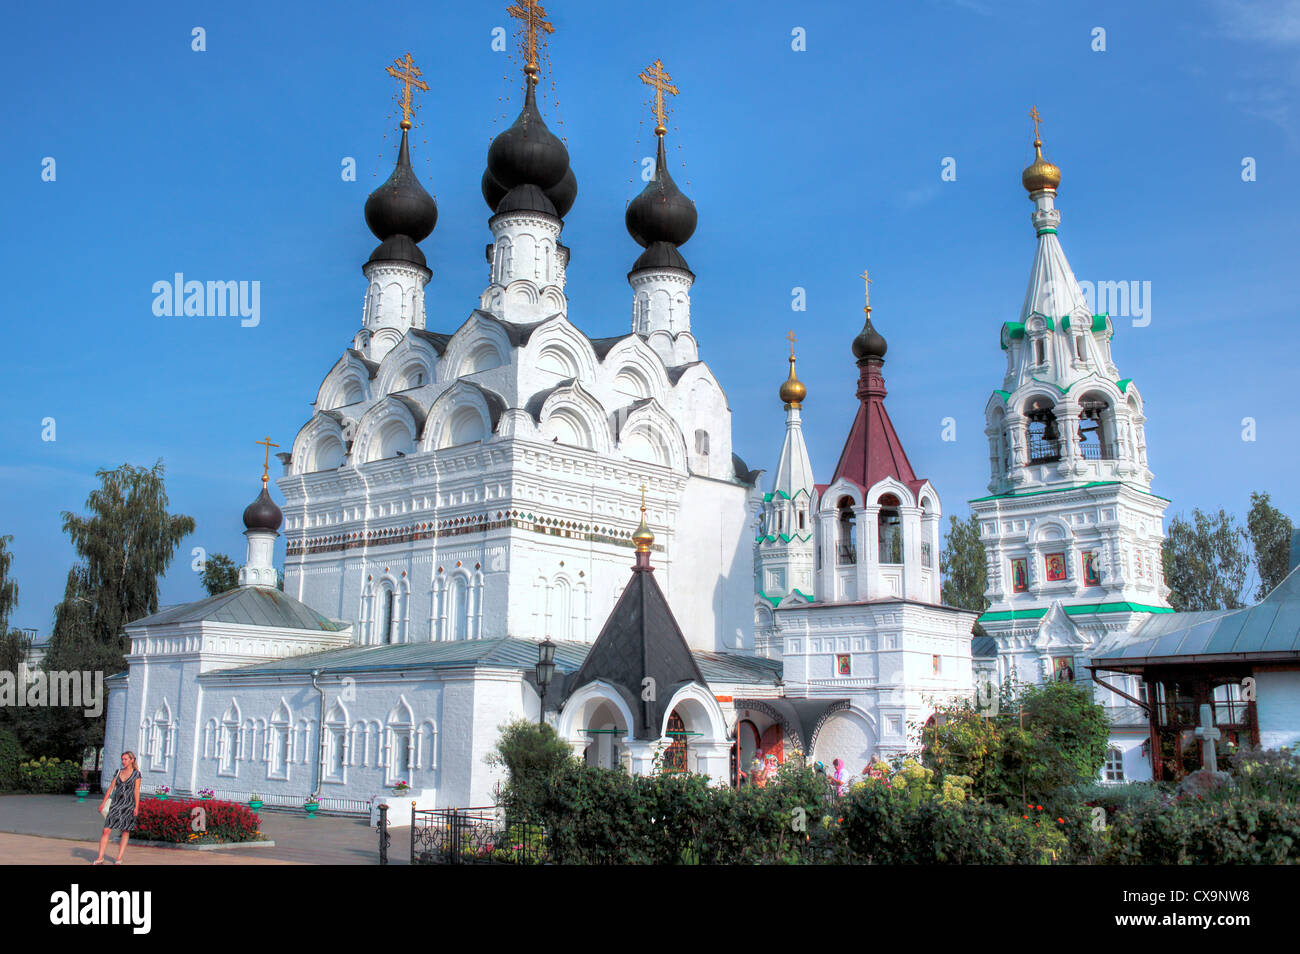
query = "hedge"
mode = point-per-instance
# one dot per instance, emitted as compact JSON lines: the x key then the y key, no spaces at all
{"x":11,"y":753}
{"x":49,"y":776}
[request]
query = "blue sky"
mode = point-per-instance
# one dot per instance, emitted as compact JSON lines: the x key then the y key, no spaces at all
{"x":805,"y":167}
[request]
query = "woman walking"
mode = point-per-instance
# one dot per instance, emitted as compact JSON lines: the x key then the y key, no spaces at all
{"x":123,"y":801}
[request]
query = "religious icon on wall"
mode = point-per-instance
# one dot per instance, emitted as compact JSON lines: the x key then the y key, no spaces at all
{"x":1055,"y":563}
{"x":1063,"y":668}
{"x":1091,"y":574}
{"x":843,"y":667}
{"x":1020,"y":575}
{"x":935,"y":664}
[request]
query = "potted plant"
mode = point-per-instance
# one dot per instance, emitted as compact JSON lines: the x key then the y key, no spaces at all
{"x":206,"y":793}
{"x":162,"y":791}
{"x":82,"y":791}
{"x":255,"y":803}
{"x":312,"y":805}
{"x":401,"y":787}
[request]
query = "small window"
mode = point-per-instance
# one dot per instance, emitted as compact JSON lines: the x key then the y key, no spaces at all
{"x":387,"y":617}
{"x":890,"y":530}
{"x":848,"y":542}
{"x":1078,"y":346}
{"x":1114,"y":769}
{"x":1039,"y":351}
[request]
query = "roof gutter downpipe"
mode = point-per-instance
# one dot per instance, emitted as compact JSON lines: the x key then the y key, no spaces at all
{"x":320,"y":748}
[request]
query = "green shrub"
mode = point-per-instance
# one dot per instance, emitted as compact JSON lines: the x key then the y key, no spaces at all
{"x":1226,"y":830}
{"x":49,"y":776}
{"x":11,"y":754}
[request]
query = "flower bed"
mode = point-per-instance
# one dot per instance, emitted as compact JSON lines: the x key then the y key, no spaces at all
{"x":171,"y":821}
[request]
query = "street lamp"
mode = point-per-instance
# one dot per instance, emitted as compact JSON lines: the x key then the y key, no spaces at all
{"x":545,"y":673}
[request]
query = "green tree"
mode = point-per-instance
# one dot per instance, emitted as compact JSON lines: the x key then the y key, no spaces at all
{"x":125,"y":541}
{"x":964,"y":568}
{"x":220,"y":575}
{"x":1205,"y":562}
{"x":1043,"y":738}
{"x":1270,"y":538}
{"x":13,"y":643}
{"x":531,"y":754}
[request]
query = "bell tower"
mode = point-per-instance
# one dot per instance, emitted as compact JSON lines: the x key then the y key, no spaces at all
{"x":1071,"y":529}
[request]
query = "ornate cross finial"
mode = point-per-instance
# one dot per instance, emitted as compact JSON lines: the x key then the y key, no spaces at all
{"x":655,"y":75}
{"x":867,"y":286}
{"x":792,"y":339}
{"x":533,"y":18}
{"x":643,"y":498}
{"x":408,"y":74}
{"x":266,"y":464}
{"x":1033,"y":114}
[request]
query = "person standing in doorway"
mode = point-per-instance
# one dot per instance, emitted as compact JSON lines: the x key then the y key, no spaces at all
{"x":123,"y":801}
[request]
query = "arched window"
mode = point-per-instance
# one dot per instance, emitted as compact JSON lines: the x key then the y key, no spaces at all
{"x":675,"y":754}
{"x":1044,"y":435}
{"x":386,"y":617}
{"x":1095,"y":440}
{"x":847,"y":549}
{"x":890,"y":530}
{"x":1040,"y":351}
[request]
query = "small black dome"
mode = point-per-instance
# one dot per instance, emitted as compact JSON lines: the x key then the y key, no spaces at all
{"x":869,"y":343}
{"x":661,"y":213}
{"x":401,"y":206}
{"x":398,"y":248}
{"x":660,"y":255}
{"x":526,"y":198}
{"x":527,"y":152}
{"x":262,"y":513}
{"x":563,"y":193}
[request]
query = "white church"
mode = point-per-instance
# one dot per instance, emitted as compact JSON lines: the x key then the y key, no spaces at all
{"x":459,"y":496}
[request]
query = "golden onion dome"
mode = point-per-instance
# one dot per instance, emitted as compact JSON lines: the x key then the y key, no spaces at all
{"x":1040,"y":174}
{"x":792,"y":390}
{"x":643,"y":536}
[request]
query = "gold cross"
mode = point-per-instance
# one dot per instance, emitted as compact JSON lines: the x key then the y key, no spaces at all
{"x":792,"y":339}
{"x":1033,"y":114}
{"x":266,"y":464}
{"x":409,"y":75}
{"x":533,"y":16}
{"x":867,"y":280}
{"x":655,"y":75}
{"x":643,"y":498}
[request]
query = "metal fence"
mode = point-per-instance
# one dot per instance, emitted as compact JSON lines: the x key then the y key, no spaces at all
{"x":474,"y":836}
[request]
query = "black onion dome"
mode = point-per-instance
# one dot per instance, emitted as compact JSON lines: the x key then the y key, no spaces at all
{"x":527,"y":152}
{"x":661,"y":213}
{"x":493,"y":191}
{"x":401,"y":206}
{"x":563,"y":193}
{"x":869,"y":343}
{"x":262,"y":513}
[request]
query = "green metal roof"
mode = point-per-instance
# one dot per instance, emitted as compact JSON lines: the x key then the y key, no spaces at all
{"x":1081,"y":609}
{"x":248,"y":606}
{"x":1269,"y":629}
{"x":1061,"y":490}
{"x":502,"y":652}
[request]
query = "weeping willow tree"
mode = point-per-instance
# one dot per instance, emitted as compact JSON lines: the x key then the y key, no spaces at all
{"x":125,"y":541}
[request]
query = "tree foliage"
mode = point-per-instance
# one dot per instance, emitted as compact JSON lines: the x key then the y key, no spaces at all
{"x":126,"y":540}
{"x":14,"y":644}
{"x":965,"y":574}
{"x":1270,"y":539}
{"x":220,"y":575}
{"x":1043,"y":738}
{"x":530,"y":754}
{"x":1205,"y":562}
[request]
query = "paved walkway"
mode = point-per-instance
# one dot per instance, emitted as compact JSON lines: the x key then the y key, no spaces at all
{"x":324,"y":840}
